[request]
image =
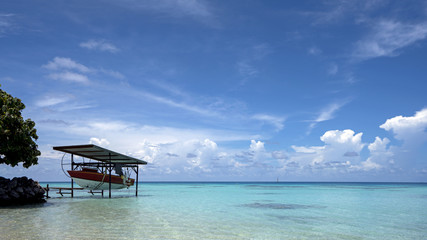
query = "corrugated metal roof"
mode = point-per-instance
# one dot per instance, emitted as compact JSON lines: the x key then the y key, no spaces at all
{"x":98,"y":153}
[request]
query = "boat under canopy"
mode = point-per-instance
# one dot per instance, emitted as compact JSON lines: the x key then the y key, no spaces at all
{"x":91,"y":179}
{"x":97,"y":175}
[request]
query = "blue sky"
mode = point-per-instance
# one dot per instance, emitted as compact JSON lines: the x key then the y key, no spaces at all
{"x":225,"y":90}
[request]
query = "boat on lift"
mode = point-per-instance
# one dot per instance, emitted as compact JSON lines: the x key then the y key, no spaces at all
{"x":96,"y":172}
{"x":90,"y":178}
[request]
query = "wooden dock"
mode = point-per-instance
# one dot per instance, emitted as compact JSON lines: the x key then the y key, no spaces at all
{"x":69,"y":190}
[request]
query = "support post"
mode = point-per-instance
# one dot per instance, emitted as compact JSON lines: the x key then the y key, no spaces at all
{"x":109,"y":182}
{"x":72,"y":181}
{"x":137,"y":170}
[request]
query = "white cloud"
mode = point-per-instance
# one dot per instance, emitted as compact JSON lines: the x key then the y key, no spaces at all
{"x":99,"y":141}
{"x":339,"y":143}
{"x":256,"y":146}
{"x":70,"y":77}
{"x":341,"y":152}
{"x":380,"y":155}
{"x":277,"y":122}
{"x":406,"y":128}
{"x":302,"y":149}
{"x":100,"y":45}
{"x":182,"y":157}
{"x":334,"y":154}
{"x":124,"y":135}
{"x":60,"y":63}
{"x":191,"y":154}
{"x":411,"y":131}
{"x":333,"y":137}
{"x":379,"y":145}
{"x":279,"y":155}
{"x":367,"y":165}
{"x":388,"y":37}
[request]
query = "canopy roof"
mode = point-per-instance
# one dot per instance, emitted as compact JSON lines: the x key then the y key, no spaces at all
{"x":98,"y":153}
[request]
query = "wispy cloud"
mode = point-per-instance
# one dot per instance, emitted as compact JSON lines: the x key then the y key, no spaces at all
{"x":168,"y":87}
{"x":60,"y":102}
{"x":69,"y":77}
{"x":199,"y":10}
{"x":47,"y":101}
{"x":61,"y":63}
{"x":5,"y":22}
{"x":68,"y":70}
{"x":253,"y":55}
{"x":387,"y":38}
{"x":178,"y":104}
{"x":326,"y":114}
{"x":112,"y":73}
{"x":314,"y":51}
{"x":333,"y":69}
{"x":246,"y":69}
{"x":277,"y":122}
{"x":336,"y":11}
{"x":100,"y":45}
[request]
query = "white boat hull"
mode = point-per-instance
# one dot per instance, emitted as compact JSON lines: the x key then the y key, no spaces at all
{"x":95,"y":185}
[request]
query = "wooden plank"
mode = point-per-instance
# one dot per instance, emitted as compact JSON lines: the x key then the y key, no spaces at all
{"x":65,"y":188}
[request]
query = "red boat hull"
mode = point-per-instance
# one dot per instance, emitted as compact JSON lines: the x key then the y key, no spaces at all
{"x":90,"y":176}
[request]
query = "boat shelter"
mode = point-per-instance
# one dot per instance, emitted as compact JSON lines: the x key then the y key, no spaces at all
{"x":105,"y":160}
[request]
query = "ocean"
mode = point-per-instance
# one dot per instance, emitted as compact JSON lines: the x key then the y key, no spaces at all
{"x":190,"y":210}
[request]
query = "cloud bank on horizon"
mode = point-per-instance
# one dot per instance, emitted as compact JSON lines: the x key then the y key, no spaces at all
{"x":242,"y":91}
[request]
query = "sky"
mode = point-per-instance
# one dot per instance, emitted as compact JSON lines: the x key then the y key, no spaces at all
{"x":224,"y":90}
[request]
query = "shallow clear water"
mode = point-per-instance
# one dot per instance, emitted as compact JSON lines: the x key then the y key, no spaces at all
{"x":228,"y":211}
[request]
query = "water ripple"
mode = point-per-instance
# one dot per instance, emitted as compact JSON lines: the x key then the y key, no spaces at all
{"x":280,"y":206}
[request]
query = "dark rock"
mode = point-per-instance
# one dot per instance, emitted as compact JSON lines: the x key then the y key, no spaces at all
{"x":14,"y":183}
{"x":4,"y":198}
{"x":14,"y":194}
{"x":20,"y":191}
{"x":29,"y":191}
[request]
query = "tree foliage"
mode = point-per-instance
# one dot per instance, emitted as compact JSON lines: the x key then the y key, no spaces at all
{"x":17,"y":136}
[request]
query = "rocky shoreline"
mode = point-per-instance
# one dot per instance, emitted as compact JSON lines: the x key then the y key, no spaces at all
{"x":20,"y":191}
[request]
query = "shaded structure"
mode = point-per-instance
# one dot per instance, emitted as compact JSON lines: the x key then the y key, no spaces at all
{"x":105,"y":161}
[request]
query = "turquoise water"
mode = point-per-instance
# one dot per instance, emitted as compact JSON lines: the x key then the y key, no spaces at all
{"x":228,"y":211}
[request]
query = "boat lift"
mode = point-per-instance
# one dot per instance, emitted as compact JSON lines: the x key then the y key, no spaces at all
{"x":105,"y":160}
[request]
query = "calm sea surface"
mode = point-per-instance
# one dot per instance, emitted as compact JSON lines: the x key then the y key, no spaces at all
{"x":227,"y":211}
